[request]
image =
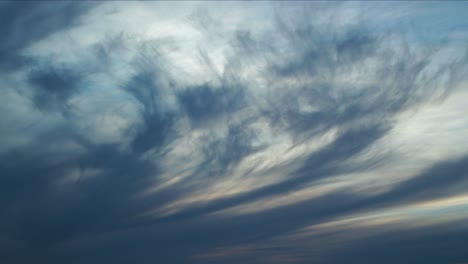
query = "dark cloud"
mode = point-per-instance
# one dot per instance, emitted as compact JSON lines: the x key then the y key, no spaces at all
{"x":157,"y":123}
{"x":437,"y":181}
{"x":23,"y":23}
{"x":425,"y":245}
{"x":205,"y":103}
{"x":234,"y":147}
{"x":67,"y":197}
{"x":437,"y":244}
{"x":53,"y":87}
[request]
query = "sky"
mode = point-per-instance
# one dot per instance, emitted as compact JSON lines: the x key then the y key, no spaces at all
{"x":233,"y":132}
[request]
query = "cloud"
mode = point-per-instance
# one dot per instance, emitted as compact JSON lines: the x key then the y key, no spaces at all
{"x":53,"y":87}
{"x":296,"y":104}
{"x":157,"y":124}
{"x":24,"y":23}
{"x":204,"y":103}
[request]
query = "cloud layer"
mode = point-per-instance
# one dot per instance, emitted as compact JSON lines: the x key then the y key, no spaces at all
{"x":233,"y":132}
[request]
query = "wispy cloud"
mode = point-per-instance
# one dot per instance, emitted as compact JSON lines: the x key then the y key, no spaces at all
{"x":274,"y":136}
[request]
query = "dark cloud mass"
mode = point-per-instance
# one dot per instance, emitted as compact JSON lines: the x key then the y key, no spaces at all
{"x":24,"y":23}
{"x":286,"y":133}
{"x":53,"y":87}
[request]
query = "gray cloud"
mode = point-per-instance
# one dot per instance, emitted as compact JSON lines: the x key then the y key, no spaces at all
{"x":205,"y":103}
{"x":67,"y":197}
{"x":24,"y":23}
{"x":53,"y":87}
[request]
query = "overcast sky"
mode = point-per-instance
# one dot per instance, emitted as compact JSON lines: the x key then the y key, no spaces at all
{"x":233,"y":132}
